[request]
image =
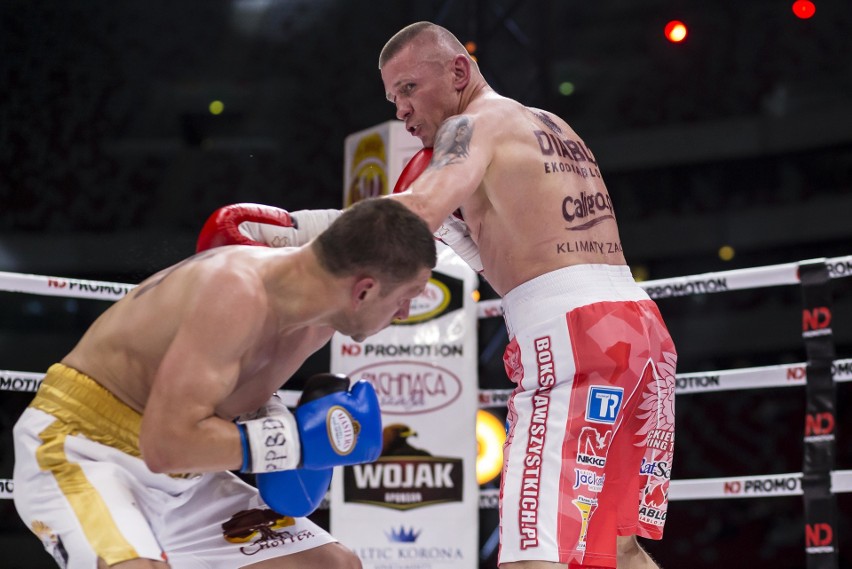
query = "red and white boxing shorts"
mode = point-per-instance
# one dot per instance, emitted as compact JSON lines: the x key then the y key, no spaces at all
{"x":589,"y":451}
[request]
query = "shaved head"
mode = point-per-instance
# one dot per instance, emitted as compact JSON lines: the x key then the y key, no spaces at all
{"x":434,"y":42}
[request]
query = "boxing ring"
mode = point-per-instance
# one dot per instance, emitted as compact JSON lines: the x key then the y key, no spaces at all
{"x":818,"y":483}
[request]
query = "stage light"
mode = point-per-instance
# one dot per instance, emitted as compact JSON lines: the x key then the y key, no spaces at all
{"x":471,"y":46}
{"x":675,"y":31}
{"x":490,"y":436}
{"x":216,"y":107}
{"x":804,"y":9}
{"x":726,"y":252}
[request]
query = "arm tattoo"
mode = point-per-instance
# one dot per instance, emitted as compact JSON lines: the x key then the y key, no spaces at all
{"x":452,"y":143}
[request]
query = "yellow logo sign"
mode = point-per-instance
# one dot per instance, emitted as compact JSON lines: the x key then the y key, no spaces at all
{"x":369,"y":170}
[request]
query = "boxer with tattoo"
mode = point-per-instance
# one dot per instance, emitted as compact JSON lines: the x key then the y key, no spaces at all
{"x":589,"y":453}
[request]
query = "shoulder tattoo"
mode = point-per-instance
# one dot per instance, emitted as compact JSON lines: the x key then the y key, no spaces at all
{"x":551,"y":124}
{"x":452,"y":142}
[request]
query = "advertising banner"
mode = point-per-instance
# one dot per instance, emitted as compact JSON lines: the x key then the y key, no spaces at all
{"x":374,"y":159}
{"x":417,"y":506}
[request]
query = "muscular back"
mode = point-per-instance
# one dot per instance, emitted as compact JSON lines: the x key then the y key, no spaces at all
{"x":542,"y":204}
{"x":211,"y":310}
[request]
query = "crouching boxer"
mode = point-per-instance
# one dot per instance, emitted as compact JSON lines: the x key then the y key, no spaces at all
{"x":124,"y":455}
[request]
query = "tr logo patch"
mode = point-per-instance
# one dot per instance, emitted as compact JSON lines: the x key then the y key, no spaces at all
{"x":603,"y":404}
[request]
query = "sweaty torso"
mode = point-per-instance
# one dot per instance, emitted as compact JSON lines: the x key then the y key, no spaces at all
{"x":542,"y":204}
{"x":124,"y":348}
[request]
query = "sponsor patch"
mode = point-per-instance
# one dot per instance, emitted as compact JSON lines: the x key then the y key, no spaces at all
{"x":603,"y":404}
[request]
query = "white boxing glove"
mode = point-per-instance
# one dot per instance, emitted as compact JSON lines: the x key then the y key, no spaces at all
{"x":455,"y":233}
{"x":307,"y":224}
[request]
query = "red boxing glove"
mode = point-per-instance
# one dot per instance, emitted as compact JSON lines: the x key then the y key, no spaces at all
{"x":413,"y":169}
{"x":223,"y":226}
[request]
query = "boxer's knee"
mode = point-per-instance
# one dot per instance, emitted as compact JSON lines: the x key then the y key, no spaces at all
{"x":631,"y":555}
{"x":342,"y":557}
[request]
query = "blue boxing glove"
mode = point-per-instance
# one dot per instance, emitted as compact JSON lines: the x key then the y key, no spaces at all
{"x":340,"y":422}
{"x":336,"y":423}
{"x":296,"y":493}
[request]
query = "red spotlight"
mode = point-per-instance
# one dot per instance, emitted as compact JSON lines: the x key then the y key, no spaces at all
{"x":804,"y":9}
{"x":675,"y":31}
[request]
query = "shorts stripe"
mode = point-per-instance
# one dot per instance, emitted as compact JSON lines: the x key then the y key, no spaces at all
{"x":91,"y":510}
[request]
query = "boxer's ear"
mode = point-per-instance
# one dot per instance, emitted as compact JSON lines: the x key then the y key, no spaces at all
{"x":461,"y":71}
{"x":361,"y":290}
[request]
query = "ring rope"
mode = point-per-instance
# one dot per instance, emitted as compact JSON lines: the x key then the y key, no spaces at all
{"x":721,"y":281}
{"x":704,"y":283}
{"x":786,"y":375}
{"x":760,"y":486}
{"x":62,"y":286}
{"x":763,"y":486}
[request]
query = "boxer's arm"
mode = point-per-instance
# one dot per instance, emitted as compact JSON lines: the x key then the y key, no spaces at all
{"x":180,"y":431}
{"x":453,"y":230}
{"x":463,"y":149}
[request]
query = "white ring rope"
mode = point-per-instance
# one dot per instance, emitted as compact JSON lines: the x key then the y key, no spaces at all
{"x":723,"y":281}
{"x":694,"y":489}
{"x":761,"y":486}
{"x":706,"y":283}
{"x":786,"y":375}
{"x":61,"y":286}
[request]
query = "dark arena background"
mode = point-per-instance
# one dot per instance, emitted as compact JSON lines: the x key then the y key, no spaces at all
{"x":730,"y":149}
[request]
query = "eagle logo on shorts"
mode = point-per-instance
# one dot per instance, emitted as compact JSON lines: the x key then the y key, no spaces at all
{"x":656,"y":408}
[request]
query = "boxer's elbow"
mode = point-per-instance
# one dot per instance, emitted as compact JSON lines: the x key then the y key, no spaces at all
{"x":161,"y":453}
{"x":156,"y":458}
{"x":422,"y":207}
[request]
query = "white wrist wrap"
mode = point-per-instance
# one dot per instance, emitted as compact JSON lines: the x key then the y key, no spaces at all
{"x":454,"y":232}
{"x":272,"y":235}
{"x":309,"y":224}
{"x":272,"y":440}
{"x":312,"y":222}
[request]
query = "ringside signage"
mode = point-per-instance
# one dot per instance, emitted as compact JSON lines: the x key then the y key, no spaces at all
{"x":425,"y":477}
{"x":413,"y":507}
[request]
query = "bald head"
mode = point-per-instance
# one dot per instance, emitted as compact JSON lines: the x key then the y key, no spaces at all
{"x":434,"y":42}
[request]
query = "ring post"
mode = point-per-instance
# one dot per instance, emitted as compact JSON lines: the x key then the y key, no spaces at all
{"x":820,"y":417}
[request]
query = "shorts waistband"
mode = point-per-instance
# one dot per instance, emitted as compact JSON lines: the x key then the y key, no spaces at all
{"x":94,"y":412}
{"x":565,"y":289}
